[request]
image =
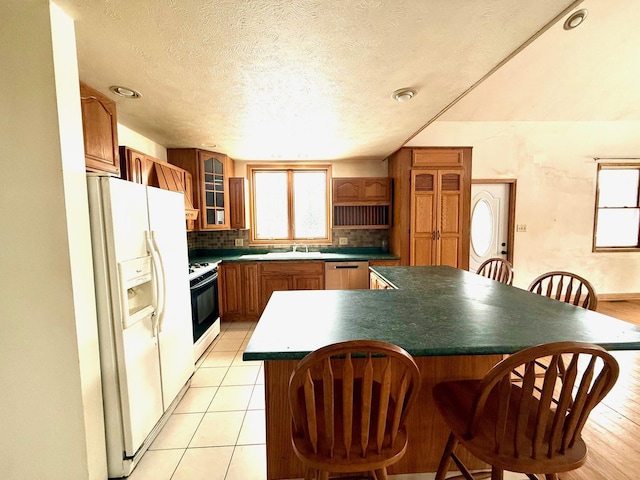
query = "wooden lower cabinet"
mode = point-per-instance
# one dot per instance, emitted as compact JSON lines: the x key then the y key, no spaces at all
{"x":238,"y":291}
{"x":279,"y":276}
{"x":377,"y":283}
{"x":245,"y":287}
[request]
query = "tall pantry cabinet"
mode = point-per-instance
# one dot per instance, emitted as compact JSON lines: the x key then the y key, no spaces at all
{"x":431,"y":205}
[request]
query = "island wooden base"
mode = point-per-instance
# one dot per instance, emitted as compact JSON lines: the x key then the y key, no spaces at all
{"x":427,"y":432}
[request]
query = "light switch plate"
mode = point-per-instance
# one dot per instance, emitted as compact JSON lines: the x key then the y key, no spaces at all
{"x":521,"y":228}
{"x":239,"y":242}
{"x":343,"y":241}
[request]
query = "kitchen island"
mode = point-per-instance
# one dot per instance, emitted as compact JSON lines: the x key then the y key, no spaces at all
{"x":456,"y":324}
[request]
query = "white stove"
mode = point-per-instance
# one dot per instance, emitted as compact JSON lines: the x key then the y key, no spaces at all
{"x":203,"y":283}
{"x":197,"y":269}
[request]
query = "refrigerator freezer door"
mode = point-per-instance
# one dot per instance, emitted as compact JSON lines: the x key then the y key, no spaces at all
{"x":126,"y":217}
{"x":141,"y":399}
{"x":166,"y":221}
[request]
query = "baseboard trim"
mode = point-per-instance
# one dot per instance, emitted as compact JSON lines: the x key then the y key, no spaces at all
{"x":618,"y":297}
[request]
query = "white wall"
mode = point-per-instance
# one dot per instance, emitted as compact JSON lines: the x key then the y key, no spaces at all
{"x":51,"y":409}
{"x":132,"y":139}
{"x":556,"y":182}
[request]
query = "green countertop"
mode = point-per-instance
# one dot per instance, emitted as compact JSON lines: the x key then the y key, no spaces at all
{"x":434,"y":311}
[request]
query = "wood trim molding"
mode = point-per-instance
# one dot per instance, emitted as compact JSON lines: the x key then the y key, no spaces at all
{"x":618,"y":297}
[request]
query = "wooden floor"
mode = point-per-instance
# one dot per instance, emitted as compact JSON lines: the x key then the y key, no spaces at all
{"x":613,"y":429}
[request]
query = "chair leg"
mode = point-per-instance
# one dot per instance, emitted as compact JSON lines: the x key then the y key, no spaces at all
{"x":445,"y":460}
{"x":381,"y":474}
{"x":323,"y":475}
{"x":551,"y":476}
{"x":496,"y":473}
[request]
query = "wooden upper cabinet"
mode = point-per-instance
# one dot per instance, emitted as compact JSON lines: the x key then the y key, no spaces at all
{"x":437,"y":157}
{"x":361,"y":202}
{"x":140,"y":168}
{"x":135,"y":166}
{"x":361,"y":190}
{"x":100,"y":131}
{"x":238,"y":203}
{"x":210,"y":172}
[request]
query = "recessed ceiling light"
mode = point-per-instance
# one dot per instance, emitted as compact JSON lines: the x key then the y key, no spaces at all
{"x":125,"y":92}
{"x":403,"y":95}
{"x":575,"y":19}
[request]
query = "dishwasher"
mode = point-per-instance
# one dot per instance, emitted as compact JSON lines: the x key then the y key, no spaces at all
{"x":346,"y":275}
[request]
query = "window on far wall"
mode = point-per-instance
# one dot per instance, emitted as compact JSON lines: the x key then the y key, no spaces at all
{"x":290,"y":204}
{"x":617,"y":218}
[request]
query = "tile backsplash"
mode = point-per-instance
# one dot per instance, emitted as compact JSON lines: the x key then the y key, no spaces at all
{"x":227,"y":238}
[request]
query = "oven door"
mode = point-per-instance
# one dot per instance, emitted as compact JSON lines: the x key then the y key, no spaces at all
{"x":204,"y":305}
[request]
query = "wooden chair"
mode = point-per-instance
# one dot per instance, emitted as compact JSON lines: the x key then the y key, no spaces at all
{"x":497,"y":269}
{"x":514,"y":427}
{"x":349,"y":403}
{"x":566,"y":287}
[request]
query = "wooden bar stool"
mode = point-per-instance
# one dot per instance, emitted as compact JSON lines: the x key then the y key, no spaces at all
{"x":349,"y":402}
{"x":497,"y":269}
{"x":515,"y":427}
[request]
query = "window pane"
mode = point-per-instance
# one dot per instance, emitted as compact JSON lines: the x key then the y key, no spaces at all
{"x":271,"y":213}
{"x":309,"y":204}
{"x":618,"y":188}
{"x":617,"y":227}
{"x":481,"y":228}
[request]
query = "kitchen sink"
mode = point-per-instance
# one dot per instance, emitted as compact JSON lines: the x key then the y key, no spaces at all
{"x":293,"y":255}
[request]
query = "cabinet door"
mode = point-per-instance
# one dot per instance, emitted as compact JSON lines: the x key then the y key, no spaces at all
{"x":272,"y":283}
{"x":346,"y":190}
{"x":99,"y":124}
{"x":250,"y":296}
{"x":230,"y":289}
{"x":449,"y":227}
{"x":214,"y":203}
{"x":308,"y":282}
{"x":423,"y":229}
{"x":376,"y":190}
{"x":135,"y":166}
{"x":438,"y":157}
{"x":238,"y":204}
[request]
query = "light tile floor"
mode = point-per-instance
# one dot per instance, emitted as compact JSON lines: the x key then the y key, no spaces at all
{"x":217,"y":432}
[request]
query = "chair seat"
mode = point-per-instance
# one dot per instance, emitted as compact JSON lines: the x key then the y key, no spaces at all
{"x":455,"y":400}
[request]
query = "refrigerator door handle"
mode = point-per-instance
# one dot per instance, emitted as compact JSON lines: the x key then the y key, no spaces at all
{"x":162,"y":288}
{"x":157,"y":279}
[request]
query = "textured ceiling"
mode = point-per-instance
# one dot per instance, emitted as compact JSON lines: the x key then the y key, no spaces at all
{"x":285,"y":79}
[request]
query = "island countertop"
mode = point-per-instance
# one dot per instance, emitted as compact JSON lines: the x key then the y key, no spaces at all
{"x":435,"y":311}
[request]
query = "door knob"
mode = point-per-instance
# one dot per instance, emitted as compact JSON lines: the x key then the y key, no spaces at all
{"x":503,"y":252}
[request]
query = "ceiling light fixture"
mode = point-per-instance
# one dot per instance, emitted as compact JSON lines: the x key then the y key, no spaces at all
{"x":403,"y":95}
{"x":575,"y":19}
{"x":125,"y":92}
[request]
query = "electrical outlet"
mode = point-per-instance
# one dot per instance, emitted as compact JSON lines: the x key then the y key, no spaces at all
{"x":343,"y":241}
{"x":521,"y":228}
{"x":239,"y":242}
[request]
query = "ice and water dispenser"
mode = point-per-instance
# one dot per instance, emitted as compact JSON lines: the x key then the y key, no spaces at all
{"x":137,"y":290}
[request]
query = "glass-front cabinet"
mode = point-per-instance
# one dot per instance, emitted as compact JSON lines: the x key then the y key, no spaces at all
{"x":210,"y":172}
{"x":215,"y":192}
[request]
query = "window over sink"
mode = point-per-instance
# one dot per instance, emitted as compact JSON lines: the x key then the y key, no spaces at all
{"x":290,"y":204}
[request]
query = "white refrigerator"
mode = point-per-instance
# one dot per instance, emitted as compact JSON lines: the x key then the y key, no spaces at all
{"x":143,"y":300}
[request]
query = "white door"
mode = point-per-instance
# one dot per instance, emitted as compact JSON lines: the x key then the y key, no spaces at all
{"x":489,"y":222}
{"x":167,"y":222}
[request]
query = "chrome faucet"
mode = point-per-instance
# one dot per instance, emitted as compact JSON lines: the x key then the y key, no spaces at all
{"x":295,"y":247}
